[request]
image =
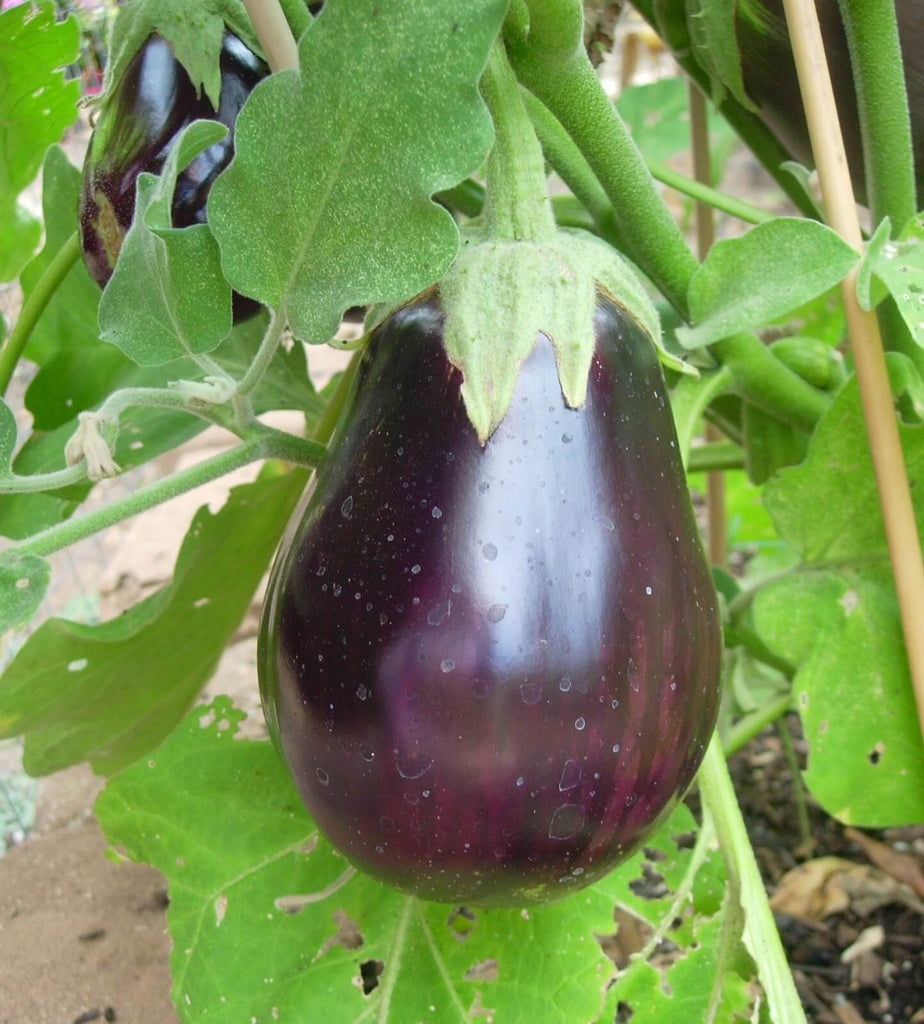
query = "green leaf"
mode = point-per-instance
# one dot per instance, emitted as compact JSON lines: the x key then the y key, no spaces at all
{"x":149,"y":308}
{"x":899,"y":265}
{"x":23,"y":583}
{"x":68,"y":322}
{"x":194,"y":30}
{"x":837,"y":620}
{"x":268,"y":923}
{"x":8,"y":437}
{"x":110,"y":693}
{"x":327,"y":202}
{"x":769,"y":444}
{"x":36,"y":105}
{"x":703,"y":985}
{"x":746,"y":282}
{"x":711,"y":24}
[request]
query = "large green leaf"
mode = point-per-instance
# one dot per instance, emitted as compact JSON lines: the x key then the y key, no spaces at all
{"x":110,"y":693}
{"x":836,"y":618}
{"x":327,"y":202}
{"x":167,"y":297}
{"x":268,"y":923}
{"x":36,"y":105}
{"x":746,"y":282}
{"x":68,"y":322}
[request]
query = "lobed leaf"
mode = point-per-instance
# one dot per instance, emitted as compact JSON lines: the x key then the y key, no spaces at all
{"x":327,"y":201}
{"x":746,"y":282}
{"x":269,"y":922}
{"x":837,"y":620}
{"x":110,"y":693}
{"x":36,"y":105}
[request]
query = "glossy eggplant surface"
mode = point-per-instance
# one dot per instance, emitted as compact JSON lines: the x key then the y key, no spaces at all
{"x":493,"y":671}
{"x":153,"y":102}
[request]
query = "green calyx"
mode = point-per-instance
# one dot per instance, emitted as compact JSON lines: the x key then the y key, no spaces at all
{"x":517,"y":276}
{"x":500,"y":295}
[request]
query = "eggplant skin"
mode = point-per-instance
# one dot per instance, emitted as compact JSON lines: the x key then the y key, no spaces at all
{"x":153,"y":102}
{"x":493,"y":671}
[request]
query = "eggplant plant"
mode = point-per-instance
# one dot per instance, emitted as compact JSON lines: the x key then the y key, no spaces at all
{"x":492,"y":649}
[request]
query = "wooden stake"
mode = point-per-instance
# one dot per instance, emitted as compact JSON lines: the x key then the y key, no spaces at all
{"x":274,"y":34}
{"x":865,"y":340}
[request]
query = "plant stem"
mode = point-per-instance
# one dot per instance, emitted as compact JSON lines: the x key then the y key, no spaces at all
{"x":327,"y":423}
{"x":750,"y":725}
{"x":551,"y":62}
{"x":865,"y":341}
{"x":573,"y":169}
{"x":715,"y":456}
{"x":882,"y":103}
{"x":760,"y":934}
{"x":798,"y":789}
{"x":38,"y":482}
{"x":265,"y":444}
{"x":269,"y":22}
{"x":517,"y":206}
{"x":34,"y":306}
{"x":467,"y":197}
{"x":265,"y":353}
{"x":709,"y":196}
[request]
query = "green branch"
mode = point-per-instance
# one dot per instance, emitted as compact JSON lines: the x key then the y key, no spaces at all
{"x":265,"y":444}
{"x":34,"y":306}
{"x":716,"y":455}
{"x":754,"y":723}
{"x":739,"y":208}
{"x":760,"y":934}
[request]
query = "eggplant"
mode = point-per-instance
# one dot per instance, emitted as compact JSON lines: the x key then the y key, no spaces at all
{"x":770,"y":78}
{"x":493,"y":670}
{"x":153,"y":102}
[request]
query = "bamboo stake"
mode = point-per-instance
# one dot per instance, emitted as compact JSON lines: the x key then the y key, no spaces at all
{"x":274,"y":34}
{"x":716,"y":536}
{"x":865,"y":340}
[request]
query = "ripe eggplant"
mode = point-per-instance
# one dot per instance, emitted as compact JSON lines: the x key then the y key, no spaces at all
{"x":153,"y":102}
{"x":493,"y":670}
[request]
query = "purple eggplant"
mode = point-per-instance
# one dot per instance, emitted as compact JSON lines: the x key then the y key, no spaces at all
{"x":493,"y":670}
{"x":152,"y":103}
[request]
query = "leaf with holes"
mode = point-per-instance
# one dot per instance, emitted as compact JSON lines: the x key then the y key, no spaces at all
{"x":23,"y":583}
{"x":36,"y":105}
{"x":269,"y":922}
{"x":111,"y":692}
{"x":837,"y":620}
{"x":355,"y":145}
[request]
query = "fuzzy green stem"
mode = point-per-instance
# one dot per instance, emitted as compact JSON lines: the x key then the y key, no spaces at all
{"x":39,"y":482}
{"x":327,"y":423}
{"x":882,"y":103}
{"x":266,"y":444}
{"x":550,"y":61}
{"x":34,"y":306}
{"x":517,"y":205}
{"x":716,"y":455}
{"x":760,"y":934}
{"x":763,"y":380}
{"x":265,"y":353}
{"x":798,"y":789}
{"x":467,"y":197}
{"x":754,"y":723}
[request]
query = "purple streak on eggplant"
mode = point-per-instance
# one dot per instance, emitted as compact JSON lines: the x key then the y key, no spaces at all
{"x":493,"y":671}
{"x":154,"y":101}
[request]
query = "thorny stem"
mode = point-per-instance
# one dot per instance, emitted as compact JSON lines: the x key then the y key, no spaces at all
{"x":517,"y":205}
{"x":865,"y":341}
{"x":266,"y":444}
{"x":34,"y":306}
{"x":760,"y":934}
